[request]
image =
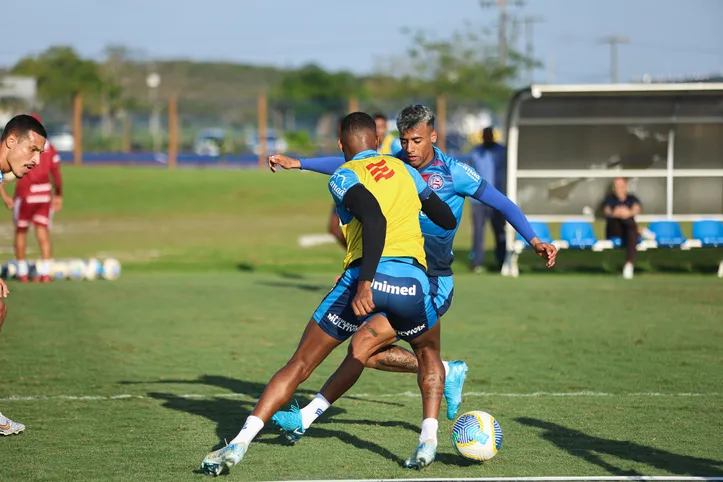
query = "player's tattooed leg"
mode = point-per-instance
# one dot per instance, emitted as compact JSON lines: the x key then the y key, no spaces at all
{"x":394,"y":358}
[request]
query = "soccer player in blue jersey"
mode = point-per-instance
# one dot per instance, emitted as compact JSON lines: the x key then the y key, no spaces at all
{"x":453,"y":181}
{"x":384,"y":290}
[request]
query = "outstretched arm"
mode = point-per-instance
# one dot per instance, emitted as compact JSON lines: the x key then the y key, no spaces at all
{"x":324,"y":165}
{"x":514,"y":215}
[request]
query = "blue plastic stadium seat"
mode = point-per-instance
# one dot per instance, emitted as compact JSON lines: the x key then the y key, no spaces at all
{"x":541,"y":230}
{"x":710,"y":233}
{"x":667,"y":234}
{"x":578,"y":234}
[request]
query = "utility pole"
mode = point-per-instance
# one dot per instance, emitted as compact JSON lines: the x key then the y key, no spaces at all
{"x":530,"y":22}
{"x":614,"y":40}
{"x":502,"y":27}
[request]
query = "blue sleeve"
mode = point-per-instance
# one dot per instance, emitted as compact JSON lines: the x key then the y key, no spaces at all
{"x":466,"y":180}
{"x":634,"y":200}
{"x":422,"y":189}
{"x":341,"y":181}
{"x":324,"y":165}
{"x":512,"y":213}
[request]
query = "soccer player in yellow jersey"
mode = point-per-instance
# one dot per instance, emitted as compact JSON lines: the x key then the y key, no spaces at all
{"x":384,"y":288}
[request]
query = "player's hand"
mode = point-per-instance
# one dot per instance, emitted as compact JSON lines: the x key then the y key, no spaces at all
{"x":336,"y":280}
{"x":57,"y":204}
{"x":4,"y":291}
{"x":363,"y":304}
{"x":547,"y":252}
{"x":9,"y":203}
{"x":283,"y":161}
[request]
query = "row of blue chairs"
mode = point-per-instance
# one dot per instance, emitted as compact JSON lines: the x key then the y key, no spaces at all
{"x":665,"y":234}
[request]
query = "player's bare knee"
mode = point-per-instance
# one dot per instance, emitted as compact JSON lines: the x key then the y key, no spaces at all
{"x":359,"y":352}
{"x":427,"y":355}
{"x":301,"y":368}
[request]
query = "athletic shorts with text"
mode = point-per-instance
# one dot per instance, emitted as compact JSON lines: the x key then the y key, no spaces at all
{"x":401,"y":292}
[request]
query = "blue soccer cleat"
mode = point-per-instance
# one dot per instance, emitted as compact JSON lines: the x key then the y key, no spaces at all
{"x":453,"y":385}
{"x":422,"y":457}
{"x":290,"y":424}
{"x":215,"y":462}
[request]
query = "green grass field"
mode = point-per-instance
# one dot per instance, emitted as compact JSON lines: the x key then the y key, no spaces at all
{"x":139,"y":378}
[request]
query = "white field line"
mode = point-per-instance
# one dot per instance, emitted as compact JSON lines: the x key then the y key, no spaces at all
{"x":232,"y":396}
{"x":537,"y":479}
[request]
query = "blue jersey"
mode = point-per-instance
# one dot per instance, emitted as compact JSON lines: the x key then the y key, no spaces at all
{"x":452,"y":181}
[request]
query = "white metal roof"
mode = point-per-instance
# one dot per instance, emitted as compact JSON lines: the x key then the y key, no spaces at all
{"x":538,"y":90}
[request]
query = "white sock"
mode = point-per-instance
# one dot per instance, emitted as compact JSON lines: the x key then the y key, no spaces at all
{"x":251,"y":428}
{"x":44,"y":267}
{"x":22,"y":268}
{"x":312,"y":411}
{"x":446,"y":368}
{"x":429,"y":430}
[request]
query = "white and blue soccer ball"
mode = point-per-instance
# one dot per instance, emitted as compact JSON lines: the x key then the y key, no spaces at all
{"x":12,"y":269}
{"x":76,"y":269}
{"x":477,"y":436}
{"x":93,"y":269}
{"x":111,"y":269}
{"x":59,"y":269}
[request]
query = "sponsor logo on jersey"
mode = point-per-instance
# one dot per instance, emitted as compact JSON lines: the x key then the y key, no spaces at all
{"x":470,"y":172}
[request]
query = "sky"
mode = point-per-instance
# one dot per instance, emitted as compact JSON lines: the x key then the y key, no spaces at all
{"x":667,"y":37}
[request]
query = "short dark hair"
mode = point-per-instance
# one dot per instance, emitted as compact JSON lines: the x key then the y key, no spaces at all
{"x":21,"y":125}
{"x":357,"y":123}
{"x":379,"y":115}
{"x":414,"y":115}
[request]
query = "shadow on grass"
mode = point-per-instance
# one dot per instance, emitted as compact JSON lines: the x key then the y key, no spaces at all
{"x":590,"y":448}
{"x":229,"y":414}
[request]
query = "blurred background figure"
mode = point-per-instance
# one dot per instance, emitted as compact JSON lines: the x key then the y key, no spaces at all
{"x":388,"y":143}
{"x":38,"y":195}
{"x":489,"y":159}
{"x":620,"y":208}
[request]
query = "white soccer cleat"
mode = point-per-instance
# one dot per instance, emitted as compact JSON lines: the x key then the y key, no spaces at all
{"x":628,"y":271}
{"x":215,"y":462}
{"x":423,"y":456}
{"x":8,"y":427}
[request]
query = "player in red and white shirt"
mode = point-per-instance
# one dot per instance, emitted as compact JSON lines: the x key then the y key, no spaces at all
{"x":36,"y":199}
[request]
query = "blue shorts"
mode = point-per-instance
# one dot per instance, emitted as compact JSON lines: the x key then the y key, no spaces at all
{"x":442,"y":291}
{"x":401,"y":292}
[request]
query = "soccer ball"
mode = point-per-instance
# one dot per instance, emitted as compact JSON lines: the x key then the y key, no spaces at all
{"x":476,"y":436}
{"x":92,"y":269}
{"x":58,"y":269}
{"x":76,"y":269}
{"x":12,"y":269}
{"x":111,"y":269}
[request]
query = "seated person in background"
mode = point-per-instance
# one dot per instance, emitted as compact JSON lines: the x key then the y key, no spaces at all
{"x":620,"y":209}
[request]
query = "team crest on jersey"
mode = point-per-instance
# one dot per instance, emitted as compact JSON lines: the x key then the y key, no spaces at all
{"x":435,"y":182}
